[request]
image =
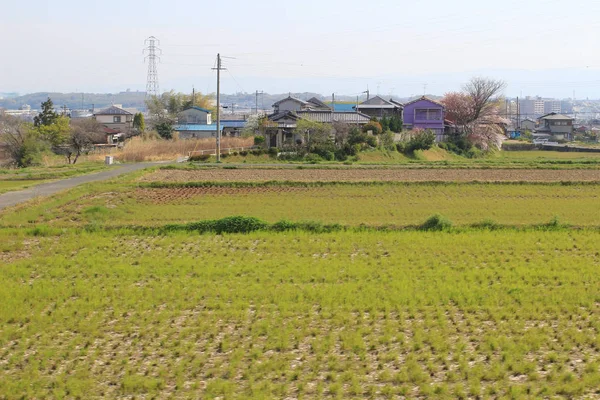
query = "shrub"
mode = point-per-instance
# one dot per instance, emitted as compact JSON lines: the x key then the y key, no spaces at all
{"x":387,"y":140}
{"x":243,"y":153}
{"x":239,"y":224}
{"x":436,"y":223}
{"x":401,"y":147}
{"x":420,"y":141}
{"x":273,"y":151}
{"x":200,"y":157}
{"x":259,"y":140}
{"x":374,"y":127}
{"x":284,"y":225}
{"x":313,"y":158}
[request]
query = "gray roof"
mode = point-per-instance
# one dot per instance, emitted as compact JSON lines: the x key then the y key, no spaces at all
{"x":556,"y":116}
{"x":319,"y":103}
{"x":426,"y":99}
{"x":379,"y":102}
{"x":112,"y":110}
{"x":290,"y":98}
{"x":329,"y":117}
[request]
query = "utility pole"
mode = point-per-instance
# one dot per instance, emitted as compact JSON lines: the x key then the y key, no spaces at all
{"x":219,"y":69}
{"x":518,"y":115}
{"x":193,"y":96}
{"x":257,"y":93}
{"x":332,"y":102}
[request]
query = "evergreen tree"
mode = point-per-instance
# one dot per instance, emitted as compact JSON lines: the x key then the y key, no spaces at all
{"x":139,"y":123}
{"x":48,"y":116}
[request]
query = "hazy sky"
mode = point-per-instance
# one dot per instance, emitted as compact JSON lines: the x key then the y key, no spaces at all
{"x":545,"y":47}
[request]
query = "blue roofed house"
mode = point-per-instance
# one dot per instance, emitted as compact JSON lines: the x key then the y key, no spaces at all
{"x":196,"y":123}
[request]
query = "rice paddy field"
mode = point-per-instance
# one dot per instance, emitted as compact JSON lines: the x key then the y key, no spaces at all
{"x":100,"y":300}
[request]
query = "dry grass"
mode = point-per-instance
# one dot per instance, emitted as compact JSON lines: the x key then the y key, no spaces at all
{"x":137,"y":149}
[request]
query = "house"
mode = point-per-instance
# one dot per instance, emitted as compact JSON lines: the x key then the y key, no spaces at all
{"x":284,"y":123}
{"x":194,"y":115}
{"x":378,"y":107}
{"x":425,"y":113}
{"x":528,"y":124}
{"x":115,"y":118}
{"x":231,"y":128}
{"x":294,"y":104}
{"x":559,"y":126}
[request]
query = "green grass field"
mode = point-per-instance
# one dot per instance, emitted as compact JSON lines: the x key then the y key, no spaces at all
{"x":264,"y":315}
{"x":92,"y":305}
{"x":353,"y":204}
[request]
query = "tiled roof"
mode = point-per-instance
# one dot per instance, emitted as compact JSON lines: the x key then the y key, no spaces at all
{"x":198,"y":108}
{"x":329,"y":117}
{"x":426,"y":99}
{"x":289,"y":98}
{"x":112,"y":110}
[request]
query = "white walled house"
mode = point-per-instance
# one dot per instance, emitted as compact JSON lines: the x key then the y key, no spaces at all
{"x":115,"y":118}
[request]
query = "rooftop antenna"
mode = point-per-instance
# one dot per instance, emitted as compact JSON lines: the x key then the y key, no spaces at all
{"x":152,"y":55}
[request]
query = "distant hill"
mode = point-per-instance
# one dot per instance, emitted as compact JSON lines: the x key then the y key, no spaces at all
{"x":77,"y":100}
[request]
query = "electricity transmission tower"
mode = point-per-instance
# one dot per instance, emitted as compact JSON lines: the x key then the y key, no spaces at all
{"x":152,"y":53}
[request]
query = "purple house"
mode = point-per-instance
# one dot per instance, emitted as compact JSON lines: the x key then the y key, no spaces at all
{"x":425,"y":113}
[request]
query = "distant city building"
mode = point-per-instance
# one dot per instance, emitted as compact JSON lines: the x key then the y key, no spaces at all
{"x":530,"y":107}
{"x":552,"y":106}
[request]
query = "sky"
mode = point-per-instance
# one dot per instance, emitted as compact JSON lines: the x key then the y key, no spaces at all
{"x":400,"y":48}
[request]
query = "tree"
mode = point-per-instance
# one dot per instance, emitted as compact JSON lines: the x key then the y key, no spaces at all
{"x":484,"y":95}
{"x":314,"y":133}
{"x":84,"y":133}
{"x":164,"y":129}
{"x":395,"y":123}
{"x":139,"y":123}
{"x":48,"y":116}
{"x":55,"y":133}
{"x":475,"y":112}
{"x":24,"y":147}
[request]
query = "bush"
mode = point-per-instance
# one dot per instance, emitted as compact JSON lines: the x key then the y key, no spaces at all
{"x":200,"y":157}
{"x":259,"y":140}
{"x":341,"y":155}
{"x":313,"y":158}
{"x":436,"y":223}
{"x":273,"y":151}
{"x":239,"y":224}
{"x":420,"y":141}
{"x":374,"y":127}
{"x":387,"y":140}
{"x":401,"y":147}
{"x":243,"y":153}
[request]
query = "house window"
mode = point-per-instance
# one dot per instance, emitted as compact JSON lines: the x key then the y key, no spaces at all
{"x":117,"y":119}
{"x":428,"y":114}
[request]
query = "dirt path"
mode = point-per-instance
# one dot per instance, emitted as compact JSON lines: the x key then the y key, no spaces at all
{"x":46,"y":189}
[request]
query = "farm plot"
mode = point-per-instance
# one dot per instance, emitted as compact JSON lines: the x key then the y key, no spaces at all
{"x":352,"y":204}
{"x":369,"y":175}
{"x":344,"y":315}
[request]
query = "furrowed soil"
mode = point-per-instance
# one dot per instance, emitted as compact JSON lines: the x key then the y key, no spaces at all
{"x":366,"y":175}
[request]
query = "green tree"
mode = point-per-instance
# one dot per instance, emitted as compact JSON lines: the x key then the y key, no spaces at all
{"x":395,"y":124}
{"x":48,"y":116}
{"x":385,"y":123}
{"x":139,"y":123}
{"x":55,"y":133}
{"x":164,"y":129}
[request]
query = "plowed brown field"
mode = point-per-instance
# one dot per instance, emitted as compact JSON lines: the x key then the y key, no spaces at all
{"x":362,"y":175}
